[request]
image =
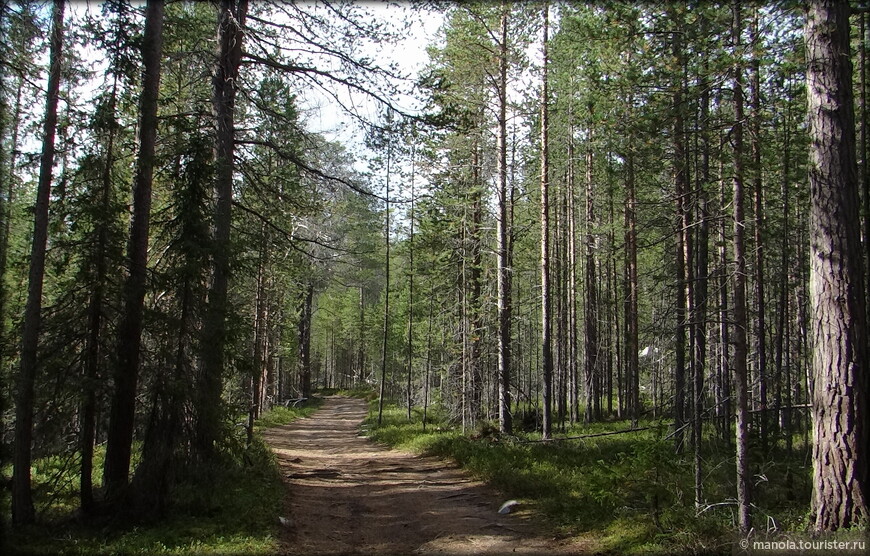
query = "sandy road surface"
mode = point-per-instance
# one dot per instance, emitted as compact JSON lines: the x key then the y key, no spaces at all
{"x":348,"y":495}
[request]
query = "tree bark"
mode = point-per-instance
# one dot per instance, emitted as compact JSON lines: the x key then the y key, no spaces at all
{"x":614,"y":358}
{"x":473,"y":293}
{"x":305,"y":314}
{"x":739,"y":315}
{"x":382,"y":389}
{"x":573,"y":379}
{"x":590,"y":309}
{"x":121,"y":420}
{"x":5,"y":188}
{"x":782,"y":310}
{"x":546,"y":303}
{"x":865,"y":164}
{"x":410,"y":352}
{"x":702,"y":256}
{"x":683,"y":242}
{"x":22,"y":496}
{"x":632,"y":369}
{"x":839,"y":362}
{"x":428,"y":360}
{"x":723,"y":379}
{"x":757,"y":202}
{"x":230,"y":36}
{"x":503,"y":255}
{"x":258,"y":355}
{"x":361,"y":347}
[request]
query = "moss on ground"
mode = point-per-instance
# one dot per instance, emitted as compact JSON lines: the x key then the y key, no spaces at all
{"x":231,"y":509}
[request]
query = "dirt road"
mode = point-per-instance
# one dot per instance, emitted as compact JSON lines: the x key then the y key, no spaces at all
{"x":348,"y":495}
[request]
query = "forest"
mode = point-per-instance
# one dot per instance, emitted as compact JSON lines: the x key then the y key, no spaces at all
{"x":611,"y":257}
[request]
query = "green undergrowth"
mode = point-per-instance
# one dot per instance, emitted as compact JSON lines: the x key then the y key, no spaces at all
{"x":230,"y":508}
{"x":631,"y":493}
{"x":362,"y":392}
{"x":280,"y":415}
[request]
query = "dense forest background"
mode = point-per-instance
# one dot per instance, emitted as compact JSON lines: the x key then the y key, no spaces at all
{"x":574,"y":213}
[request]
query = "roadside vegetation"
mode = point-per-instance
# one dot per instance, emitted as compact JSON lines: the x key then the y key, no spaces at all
{"x":629,"y":493}
{"x":232,"y":511}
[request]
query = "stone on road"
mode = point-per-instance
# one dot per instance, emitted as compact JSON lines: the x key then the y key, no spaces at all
{"x":348,"y":495}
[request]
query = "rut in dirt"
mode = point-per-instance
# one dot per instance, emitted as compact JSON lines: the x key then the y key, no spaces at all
{"x":348,"y":495}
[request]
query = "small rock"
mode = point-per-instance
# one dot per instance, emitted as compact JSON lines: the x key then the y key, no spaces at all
{"x":284,"y":521}
{"x":508,"y":506}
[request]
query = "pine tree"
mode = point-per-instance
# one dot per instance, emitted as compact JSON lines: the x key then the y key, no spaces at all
{"x":230,"y":25}
{"x":22,"y":497}
{"x":741,"y":321}
{"x":839,"y":364}
{"x":121,"y":425}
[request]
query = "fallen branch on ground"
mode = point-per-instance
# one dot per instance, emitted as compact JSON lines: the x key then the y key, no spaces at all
{"x":592,"y":435}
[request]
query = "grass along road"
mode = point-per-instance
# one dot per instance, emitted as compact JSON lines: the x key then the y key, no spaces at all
{"x":347,"y":494}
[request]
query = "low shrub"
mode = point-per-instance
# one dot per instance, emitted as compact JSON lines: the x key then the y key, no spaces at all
{"x":631,"y":492}
{"x":231,"y":507}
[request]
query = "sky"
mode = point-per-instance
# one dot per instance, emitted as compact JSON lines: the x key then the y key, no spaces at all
{"x":321,"y":113}
{"x":326,"y":117}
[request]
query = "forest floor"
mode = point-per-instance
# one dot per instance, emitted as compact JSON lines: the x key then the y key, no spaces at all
{"x":346,"y":494}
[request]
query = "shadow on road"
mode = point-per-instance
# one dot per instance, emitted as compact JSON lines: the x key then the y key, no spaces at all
{"x":349,"y":495}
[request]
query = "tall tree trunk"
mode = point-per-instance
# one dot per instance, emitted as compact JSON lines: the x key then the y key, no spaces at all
{"x":5,"y":203}
{"x":384,"y":352}
{"x":7,"y":190}
{"x":428,"y":360}
{"x":473,"y":294}
{"x":463,"y":312}
{"x":723,"y":372}
{"x":361,"y":348}
{"x":702,"y":277}
{"x":258,"y":345}
{"x":410,"y":353}
{"x":865,"y":164}
{"x":22,"y":496}
{"x":573,"y":379}
{"x":556,"y":302}
{"x":632,"y":372}
{"x":503,"y":233}
{"x":683,"y":251}
{"x":546,"y":302}
{"x":782,"y":309}
{"x":6,"y":176}
{"x":10,"y":189}
{"x":464,"y":316}
{"x":740,"y":319}
{"x":590,"y":316}
{"x":165,"y":442}
{"x":121,"y":419}
{"x":757,"y":201}
{"x":230,"y":36}
{"x":615,"y":350}
{"x":839,"y":367}
{"x":305,"y":314}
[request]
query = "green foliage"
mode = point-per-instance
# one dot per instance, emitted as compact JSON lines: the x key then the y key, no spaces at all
{"x":612,"y":73}
{"x":280,"y":415}
{"x":630,"y":492}
{"x":232,"y":508}
{"x":247,"y":500}
{"x":362,"y":392}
